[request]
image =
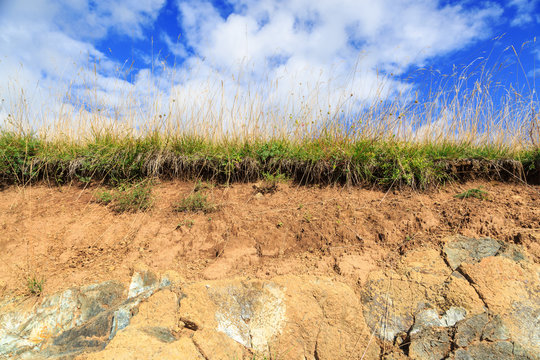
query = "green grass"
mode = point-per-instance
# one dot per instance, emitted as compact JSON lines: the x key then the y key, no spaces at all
{"x":472,"y":193}
{"x":114,"y":161}
{"x":195,"y":202}
{"x":397,"y":140}
{"x":34,"y":285}
{"x":127,"y":197}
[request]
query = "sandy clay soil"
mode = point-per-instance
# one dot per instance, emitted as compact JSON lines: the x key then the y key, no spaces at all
{"x":62,"y":235}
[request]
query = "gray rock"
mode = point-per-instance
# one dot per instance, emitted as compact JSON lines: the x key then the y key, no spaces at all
{"x":430,"y":344}
{"x":76,"y":320}
{"x":495,"y":330}
{"x":29,"y":328}
{"x":144,"y":282}
{"x":486,"y":351}
{"x":512,"y":252}
{"x":386,"y":324}
{"x":469,"y":250}
{"x":470,"y":330}
{"x":430,"y":318}
{"x":90,"y":336}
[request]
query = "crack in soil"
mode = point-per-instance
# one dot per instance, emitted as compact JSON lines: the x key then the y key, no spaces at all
{"x":473,"y":285}
{"x":200,"y":350}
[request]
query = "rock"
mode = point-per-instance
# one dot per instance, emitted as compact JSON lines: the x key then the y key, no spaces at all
{"x":72,"y":314}
{"x":249,"y":314}
{"x":422,"y":281}
{"x":512,"y":291}
{"x":286,"y":317}
{"x":457,"y":291}
{"x":430,"y":344}
{"x":495,"y":330}
{"x":151,"y":333}
{"x":461,"y":249}
{"x":486,"y":351}
{"x":430,"y":318}
{"x":512,"y":252}
{"x":303,"y":316}
{"x":470,"y":330}
{"x":486,"y":308}
{"x":74,"y":321}
{"x":217,"y":345}
{"x":143,"y":281}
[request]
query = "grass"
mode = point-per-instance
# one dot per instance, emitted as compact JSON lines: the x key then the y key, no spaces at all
{"x":127,"y":197}
{"x":34,"y":285}
{"x":473,"y":193}
{"x":195,"y":202}
{"x":26,"y":159}
{"x":394,"y":140}
{"x":188,"y":223}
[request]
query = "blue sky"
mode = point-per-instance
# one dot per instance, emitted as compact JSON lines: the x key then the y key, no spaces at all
{"x":174,"y":46}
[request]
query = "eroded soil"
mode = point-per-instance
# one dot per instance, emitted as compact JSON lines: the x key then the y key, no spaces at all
{"x":62,"y":235}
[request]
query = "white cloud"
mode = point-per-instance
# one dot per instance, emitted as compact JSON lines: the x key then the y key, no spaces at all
{"x":526,"y":12}
{"x":394,"y":34}
{"x":325,"y":51}
{"x":297,"y":56}
{"x":47,"y":46}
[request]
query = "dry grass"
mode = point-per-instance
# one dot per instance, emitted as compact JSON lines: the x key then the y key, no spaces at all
{"x":229,"y":132}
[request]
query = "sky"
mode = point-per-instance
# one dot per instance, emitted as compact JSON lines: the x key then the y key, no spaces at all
{"x":204,"y":54}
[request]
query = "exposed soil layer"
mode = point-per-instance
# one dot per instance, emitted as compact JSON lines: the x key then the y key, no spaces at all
{"x":61,"y":234}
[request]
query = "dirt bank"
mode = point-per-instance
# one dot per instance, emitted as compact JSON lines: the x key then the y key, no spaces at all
{"x":62,"y":235}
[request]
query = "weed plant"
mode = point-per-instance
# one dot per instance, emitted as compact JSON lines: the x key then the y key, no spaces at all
{"x":196,"y":202}
{"x":473,"y":193}
{"x":34,"y":285}
{"x":128,"y":197}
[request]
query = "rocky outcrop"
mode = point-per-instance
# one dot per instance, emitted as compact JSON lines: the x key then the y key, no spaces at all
{"x":472,"y":299}
{"x":477,"y":299}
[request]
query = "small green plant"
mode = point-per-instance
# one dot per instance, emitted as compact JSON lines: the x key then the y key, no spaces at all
{"x":127,"y":197}
{"x":476,"y":193}
{"x":195,"y":202}
{"x":133,"y":198}
{"x":104,"y":197}
{"x":276,"y":177}
{"x":34,"y":285}
{"x":279,"y":225}
{"x":84,"y":179}
{"x":187,"y":223}
{"x":307,"y":217}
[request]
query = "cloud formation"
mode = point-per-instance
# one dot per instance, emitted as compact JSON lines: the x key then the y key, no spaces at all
{"x":526,"y":12}
{"x":327,"y":49}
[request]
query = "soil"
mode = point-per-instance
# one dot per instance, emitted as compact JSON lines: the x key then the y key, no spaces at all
{"x":64,"y":236}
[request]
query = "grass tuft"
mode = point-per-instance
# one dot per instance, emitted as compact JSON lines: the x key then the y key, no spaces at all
{"x":195,"y":202}
{"x":473,"y":193}
{"x":34,"y":285}
{"x":128,"y":197}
